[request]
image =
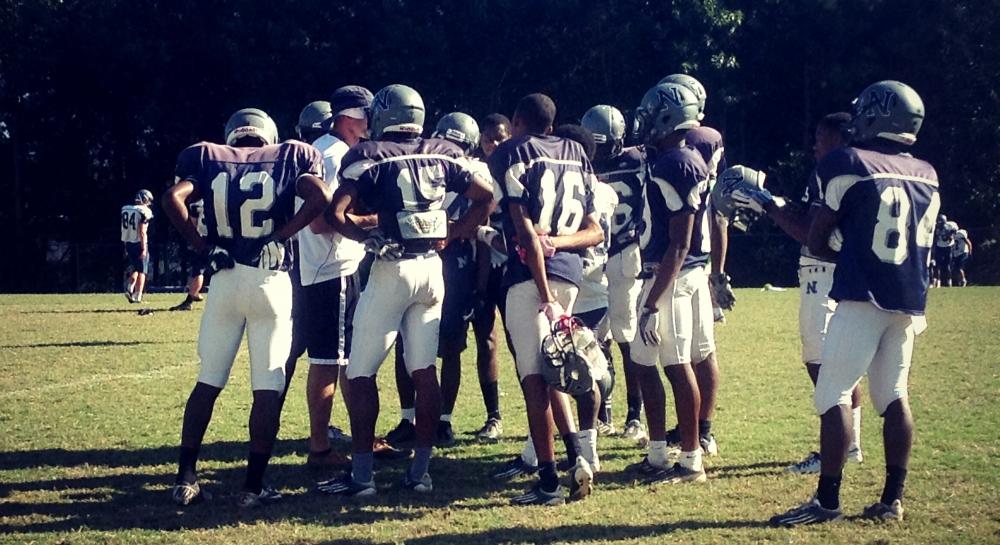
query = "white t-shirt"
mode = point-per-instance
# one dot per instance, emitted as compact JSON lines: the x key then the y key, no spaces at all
{"x":961,"y":246}
{"x":132,"y":218}
{"x":327,"y":256}
{"x":594,"y":285}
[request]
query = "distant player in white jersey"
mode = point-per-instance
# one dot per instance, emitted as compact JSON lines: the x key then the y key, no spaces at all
{"x":960,"y":254}
{"x":944,"y":241}
{"x":135,"y":220}
{"x":249,"y":187}
{"x":402,"y":178}
{"x":884,"y":202}
{"x":815,"y":272}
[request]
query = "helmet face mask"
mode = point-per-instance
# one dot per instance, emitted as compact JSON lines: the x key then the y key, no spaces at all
{"x":664,"y":110}
{"x":608,"y":127}
{"x":251,"y":123}
{"x":396,"y":108}
{"x":889,"y":110}
{"x":460,"y":129}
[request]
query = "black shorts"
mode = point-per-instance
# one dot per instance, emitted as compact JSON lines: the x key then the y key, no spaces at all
{"x":326,"y":319}
{"x":958,"y":261}
{"x":197,"y":262}
{"x":942,"y":257}
{"x":459,"y":269}
{"x":494,"y":299}
{"x":136,"y":263}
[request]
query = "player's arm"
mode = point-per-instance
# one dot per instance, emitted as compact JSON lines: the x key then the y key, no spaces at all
{"x":718,"y":230}
{"x":480,"y":195}
{"x":589,"y":234}
{"x":175,"y":205}
{"x":337,"y":214}
{"x":533,"y":258}
{"x":143,"y":239}
{"x":315,"y":197}
{"x":824,"y":221}
{"x":681,"y":228}
{"x":791,"y":219}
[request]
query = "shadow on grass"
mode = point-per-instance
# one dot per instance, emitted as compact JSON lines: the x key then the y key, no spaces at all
{"x":123,"y":497}
{"x":568,"y":533}
{"x":91,"y":344}
{"x":131,"y":310}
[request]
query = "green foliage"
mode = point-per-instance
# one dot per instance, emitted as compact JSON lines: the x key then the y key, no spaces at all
{"x":92,"y":397}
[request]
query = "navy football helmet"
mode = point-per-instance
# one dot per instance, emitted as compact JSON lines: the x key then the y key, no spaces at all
{"x":459,"y":128}
{"x":252,"y":123}
{"x":691,"y":83}
{"x":608,"y":126}
{"x":665,"y":109}
{"x":314,"y":117}
{"x":396,"y":108}
{"x":890,"y":110}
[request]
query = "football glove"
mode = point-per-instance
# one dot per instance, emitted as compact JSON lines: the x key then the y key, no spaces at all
{"x":754,"y":199}
{"x":272,"y":255}
{"x":649,"y":326}
{"x":722,"y":291}
{"x":218,"y":259}
{"x":382,"y":246}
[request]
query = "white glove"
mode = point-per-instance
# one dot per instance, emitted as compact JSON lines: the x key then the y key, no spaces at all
{"x":722,"y":291}
{"x":272,"y":256}
{"x":751,"y":198}
{"x":649,"y":326}
{"x":553,"y":311}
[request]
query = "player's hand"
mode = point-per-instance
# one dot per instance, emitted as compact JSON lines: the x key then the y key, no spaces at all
{"x":752,"y":198}
{"x":218,"y":259}
{"x":272,"y":256}
{"x":649,"y":326}
{"x":383,"y":247}
{"x":722,"y":290}
{"x":548,"y":249}
{"x":553,"y":311}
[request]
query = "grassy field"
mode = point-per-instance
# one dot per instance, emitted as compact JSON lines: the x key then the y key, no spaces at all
{"x":91,"y":397}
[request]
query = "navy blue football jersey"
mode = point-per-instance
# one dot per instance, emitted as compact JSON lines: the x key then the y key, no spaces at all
{"x":709,"y":144}
{"x":248,"y":192}
{"x":626,"y":174}
{"x":886,"y":204}
{"x":812,"y":196}
{"x":554,"y":181}
{"x":678,"y":184}
{"x":404,"y":182}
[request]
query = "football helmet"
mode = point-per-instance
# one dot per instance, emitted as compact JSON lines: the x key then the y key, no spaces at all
{"x":890,"y":110}
{"x":694,"y":85}
{"x":573,"y":357}
{"x":664,"y":109}
{"x":251,"y":122}
{"x":730,"y":180}
{"x":608,"y":126}
{"x":459,"y":128}
{"x":314,"y":117}
{"x":396,"y":108}
{"x":143,"y":196}
{"x":951,"y":226}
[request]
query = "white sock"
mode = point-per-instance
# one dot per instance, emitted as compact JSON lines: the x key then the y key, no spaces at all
{"x":528,"y":454}
{"x":856,"y":428}
{"x":410,"y":415}
{"x":658,"y":453}
{"x":446,"y":418}
{"x":692,"y":460}
{"x":588,"y":447}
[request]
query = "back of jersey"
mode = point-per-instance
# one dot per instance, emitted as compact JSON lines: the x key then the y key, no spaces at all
{"x":132,"y":218}
{"x":248,"y":192}
{"x":886,"y":203}
{"x":404,"y":182}
{"x":554,"y":181}
{"x":626,"y":174}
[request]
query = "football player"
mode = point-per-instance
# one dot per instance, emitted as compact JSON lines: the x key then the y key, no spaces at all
{"x":960,"y":254}
{"x":135,"y":220}
{"x":884,"y":202}
{"x":196,"y":261}
{"x":675,"y":314}
{"x":249,"y":187}
{"x":459,"y":268}
{"x":944,"y":240}
{"x":547,"y":185}
{"x":815,"y":272}
{"x":623,"y":169}
{"x":328,"y":265}
{"x":403,"y":178}
{"x":490,"y":292}
{"x":709,"y":144}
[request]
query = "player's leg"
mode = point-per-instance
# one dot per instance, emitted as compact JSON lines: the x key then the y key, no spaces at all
{"x":405,"y":433}
{"x":706,"y":359}
{"x":219,"y":339}
{"x":888,"y":382}
{"x":588,"y":405}
{"x":623,"y":295}
{"x":326,"y":309}
{"x":269,"y":340}
{"x":299,"y":325}
{"x":140,"y":280}
{"x":647,"y":361}
{"x":456,"y":313}
{"x":483,"y":328}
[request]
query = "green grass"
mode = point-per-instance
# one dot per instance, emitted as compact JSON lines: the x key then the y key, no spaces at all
{"x":91,"y":397}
